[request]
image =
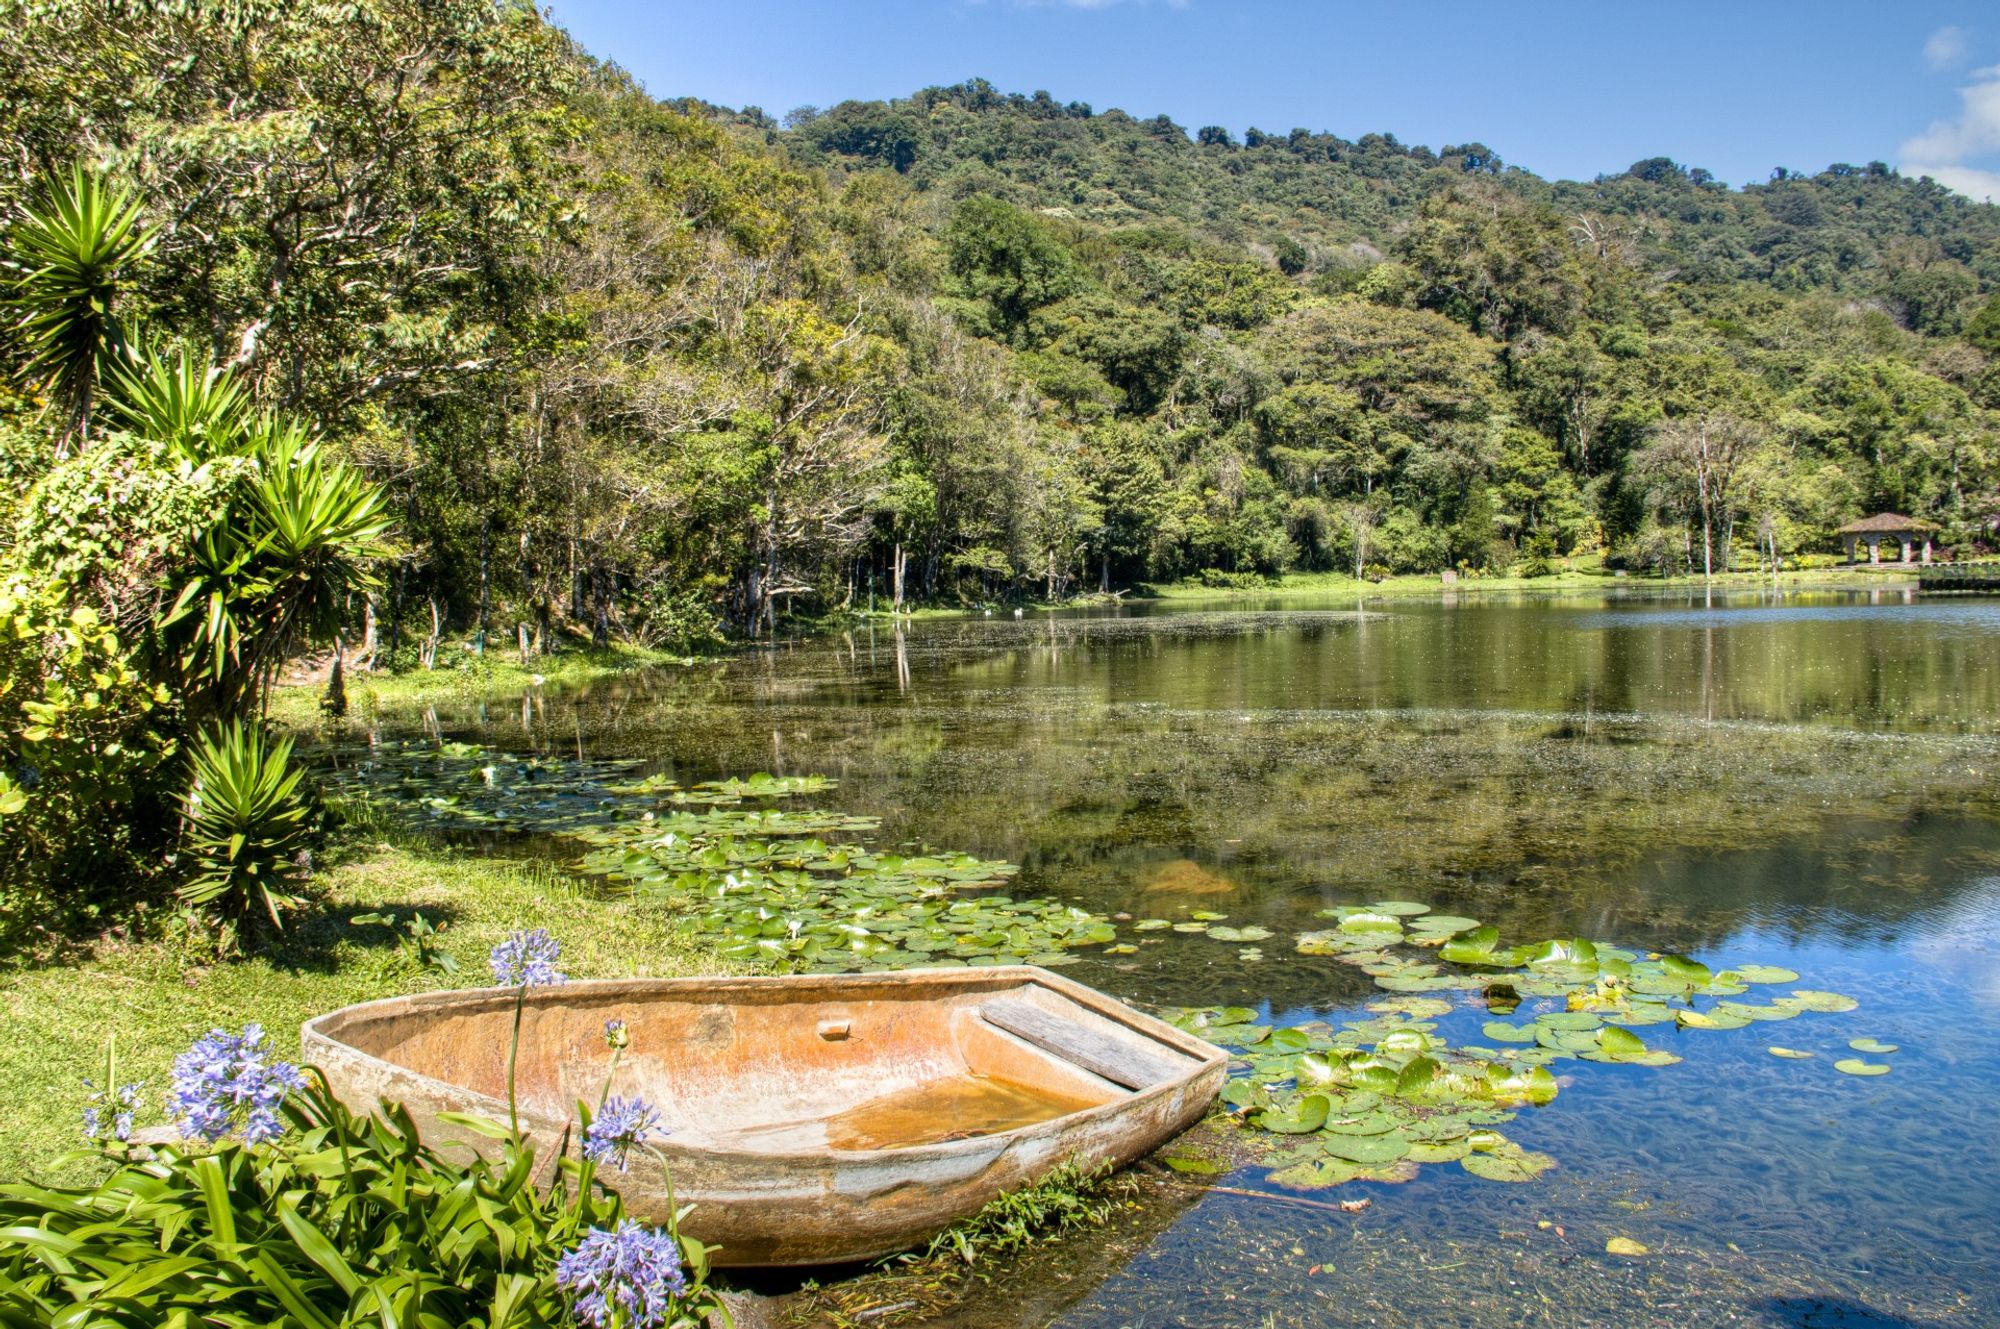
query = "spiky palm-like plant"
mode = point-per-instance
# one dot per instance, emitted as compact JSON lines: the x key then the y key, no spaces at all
{"x":279,"y":570}
{"x":199,"y":409}
{"x":247,"y":822}
{"x":60,"y":267}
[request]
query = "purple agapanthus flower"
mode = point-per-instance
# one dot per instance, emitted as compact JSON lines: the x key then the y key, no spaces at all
{"x":616,"y":1035}
{"x":527,"y":959}
{"x":623,"y":1125}
{"x":121,"y":1121}
{"x":226,"y":1080}
{"x":630,"y":1278}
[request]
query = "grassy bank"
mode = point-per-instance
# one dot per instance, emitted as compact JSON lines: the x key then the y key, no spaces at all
{"x":460,"y":673}
{"x":1334,"y":585}
{"x":158,"y":994}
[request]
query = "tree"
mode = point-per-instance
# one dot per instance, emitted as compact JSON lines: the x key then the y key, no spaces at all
{"x":1696,"y":462}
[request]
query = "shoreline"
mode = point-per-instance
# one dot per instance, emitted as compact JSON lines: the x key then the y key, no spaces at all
{"x":295,"y":702}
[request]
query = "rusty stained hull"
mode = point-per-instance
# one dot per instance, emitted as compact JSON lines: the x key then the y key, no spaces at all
{"x":811,"y":1119}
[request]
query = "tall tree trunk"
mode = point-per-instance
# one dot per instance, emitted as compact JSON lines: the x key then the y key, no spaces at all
{"x":485,"y":582}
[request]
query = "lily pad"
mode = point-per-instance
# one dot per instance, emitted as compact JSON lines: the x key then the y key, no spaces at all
{"x":1873,"y":1046}
{"x":1511,"y":1163}
{"x":1399,"y":908}
{"x":1764,"y":973}
{"x":1747,"y":1011}
{"x":1790,"y":1054}
{"x":1303,"y":1118}
{"x":1439,"y":1151}
{"x":1617,"y":1042}
{"x":1368,"y":1150}
{"x":1826,"y":1003}
{"x":1190,"y":1163}
{"x":1710,"y":1020}
{"x":1318,"y":1175}
{"x":1417,"y":1008}
{"x":1446,"y":923}
{"x":1569,"y":1020}
{"x":1856,"y":1066}
{"x":1626,"y":1246}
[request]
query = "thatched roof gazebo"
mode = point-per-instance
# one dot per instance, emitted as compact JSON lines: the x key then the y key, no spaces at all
{"x":1907,"y":532}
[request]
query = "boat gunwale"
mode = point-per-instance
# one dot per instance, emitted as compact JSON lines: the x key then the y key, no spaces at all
{"x":1204,"y":1056}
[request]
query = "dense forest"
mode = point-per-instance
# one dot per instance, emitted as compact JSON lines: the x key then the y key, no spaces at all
{"x":664,"y":370}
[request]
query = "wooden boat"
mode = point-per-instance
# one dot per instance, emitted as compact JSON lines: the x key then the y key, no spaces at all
{"x":811,"y":1119}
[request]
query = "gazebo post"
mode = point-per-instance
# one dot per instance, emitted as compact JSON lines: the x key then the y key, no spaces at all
{"x":1874,"y":549}
{"x":1927,"y":549}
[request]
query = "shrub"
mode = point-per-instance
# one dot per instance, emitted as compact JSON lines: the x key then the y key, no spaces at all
{"x":1538,"y":556}
{"x":113,"y":523}
{"x":83,"y":740}
{"x":248,"y":823}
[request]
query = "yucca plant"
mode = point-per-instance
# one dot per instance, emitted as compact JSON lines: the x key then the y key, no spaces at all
{"x":199,"y":409}
{"x":59,"y":276}
{"x":247,"y":822}
{"x":279,"y":570}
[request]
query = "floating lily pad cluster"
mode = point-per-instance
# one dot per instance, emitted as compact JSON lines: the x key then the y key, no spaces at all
{"x":1374,"y":1098}
{"x":803,"y":905}
{"x":769,"y":884}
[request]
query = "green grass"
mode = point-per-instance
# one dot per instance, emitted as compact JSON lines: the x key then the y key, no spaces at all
{"x":460,"y":673}
{"x":156,"y":996}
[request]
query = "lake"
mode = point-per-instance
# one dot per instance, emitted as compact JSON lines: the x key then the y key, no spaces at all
{"x":1805,"y":781}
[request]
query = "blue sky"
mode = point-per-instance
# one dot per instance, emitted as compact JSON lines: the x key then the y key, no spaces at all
{"x":1563,"y":89}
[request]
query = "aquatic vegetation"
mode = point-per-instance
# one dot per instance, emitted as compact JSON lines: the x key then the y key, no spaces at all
{"x":771,"y":886}
{"x":1374,"y":1098}
{"x":1856,"y":1066}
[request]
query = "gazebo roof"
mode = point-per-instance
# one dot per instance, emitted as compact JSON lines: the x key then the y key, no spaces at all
{"x":1886,"y":523}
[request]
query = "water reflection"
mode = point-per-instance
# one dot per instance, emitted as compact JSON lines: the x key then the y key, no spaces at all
{"x":1807,"y":783}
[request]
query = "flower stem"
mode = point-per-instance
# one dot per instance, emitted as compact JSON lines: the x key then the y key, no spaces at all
{"x":513,"y":1056}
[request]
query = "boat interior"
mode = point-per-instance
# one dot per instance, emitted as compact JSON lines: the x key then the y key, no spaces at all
{"x":799,"y":1066}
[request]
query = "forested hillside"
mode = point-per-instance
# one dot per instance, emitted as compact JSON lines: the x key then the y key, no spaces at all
{"x":633,"y":367}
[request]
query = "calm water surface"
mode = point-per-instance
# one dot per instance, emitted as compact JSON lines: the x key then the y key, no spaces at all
{"x":1807,"y":782}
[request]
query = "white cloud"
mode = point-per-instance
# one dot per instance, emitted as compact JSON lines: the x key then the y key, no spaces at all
{"x":1946,"y":47}
{"x":1948,"y":151}
{"x":1980,"y":186}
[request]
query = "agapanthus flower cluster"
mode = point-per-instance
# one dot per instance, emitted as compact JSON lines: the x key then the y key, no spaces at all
{"x":127,"y":1099}
{"x":622,"y":1126}
{"x":630,"y":1278}
{"x":527,"y":959}
{"x":226,"y":1080}
{"x":616,"y":1035}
